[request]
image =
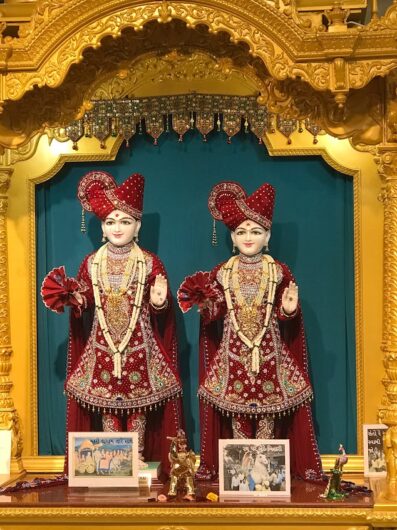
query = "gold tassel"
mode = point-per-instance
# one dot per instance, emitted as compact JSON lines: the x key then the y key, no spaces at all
{"x":82,"y":226}
{"x":255,"y":360}
{"x":214,"y":241}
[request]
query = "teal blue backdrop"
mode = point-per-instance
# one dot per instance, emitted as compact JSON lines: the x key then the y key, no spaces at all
{"x":312,"y":232}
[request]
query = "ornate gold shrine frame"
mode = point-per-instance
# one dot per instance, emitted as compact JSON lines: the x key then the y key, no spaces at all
{"x":43,"y":165}
{"x":286,"y":50}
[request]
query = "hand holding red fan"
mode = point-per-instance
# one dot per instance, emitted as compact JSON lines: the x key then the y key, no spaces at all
{"x":57,"y":290}
{"x":196,"y":289}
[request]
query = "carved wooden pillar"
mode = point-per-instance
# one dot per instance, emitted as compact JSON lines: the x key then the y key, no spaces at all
{"x":388,"y":408}
{"x":9,"y":419}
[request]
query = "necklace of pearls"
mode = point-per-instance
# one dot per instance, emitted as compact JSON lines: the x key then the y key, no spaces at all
{"x":268,"y":271}
{"x":136,"y":261}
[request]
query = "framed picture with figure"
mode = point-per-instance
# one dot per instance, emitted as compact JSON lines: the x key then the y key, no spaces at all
{"x":103,"y":459}
{"x":254,"y":468}
{"x":374,"y":456}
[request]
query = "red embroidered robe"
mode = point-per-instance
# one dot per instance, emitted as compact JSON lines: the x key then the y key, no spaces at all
{"x":229,"y":387}
{"x":149,"y":381}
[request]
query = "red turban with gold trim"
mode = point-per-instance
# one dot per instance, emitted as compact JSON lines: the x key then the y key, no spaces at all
{"x":228,"y":202}
{"x":99,"y":193}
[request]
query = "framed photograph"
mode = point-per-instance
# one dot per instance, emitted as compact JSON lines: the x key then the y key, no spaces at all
{"x":254,"y":468}
{"x":374,"y":456}
{"x":103,"y":459}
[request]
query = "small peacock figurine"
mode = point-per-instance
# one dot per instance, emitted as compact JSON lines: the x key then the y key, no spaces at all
{"x":333,"y":491}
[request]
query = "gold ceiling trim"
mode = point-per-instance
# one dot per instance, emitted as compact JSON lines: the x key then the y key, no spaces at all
{"x":243,"y":28}
{"x":61,"y":30}
{"x":131,"y":67}
{"x":178,"y":68}
{"x":190,"y":60}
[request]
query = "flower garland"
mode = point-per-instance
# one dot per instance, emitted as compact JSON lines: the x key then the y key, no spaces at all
{"x":136,"y":260}
{"x":270,"y":272}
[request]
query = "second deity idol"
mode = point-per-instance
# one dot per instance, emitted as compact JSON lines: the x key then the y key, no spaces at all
{"x":122,"y":359}
{"x":254,"y":380}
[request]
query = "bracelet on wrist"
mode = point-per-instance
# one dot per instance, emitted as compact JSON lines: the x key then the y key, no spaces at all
{"x":159,"y":307}
{"x":288,"y":315}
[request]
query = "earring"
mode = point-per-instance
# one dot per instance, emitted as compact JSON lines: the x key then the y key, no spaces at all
{"x":214,"y":240}
{"x":103,"y":238}
{"x":266,"y":248}
{"x":83,"y":228}
{"x":135,"y":238}
{"x":234,"y":249}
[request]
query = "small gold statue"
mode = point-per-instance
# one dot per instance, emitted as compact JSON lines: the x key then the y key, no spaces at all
{"x":390,"y":449}
{"x":182,"y":465}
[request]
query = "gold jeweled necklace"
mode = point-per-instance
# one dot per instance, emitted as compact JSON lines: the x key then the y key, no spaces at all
{"x":243,"y":324}
{"x":115,"y":295}
{"x":249,"y":314}
{"x":136,"y":260}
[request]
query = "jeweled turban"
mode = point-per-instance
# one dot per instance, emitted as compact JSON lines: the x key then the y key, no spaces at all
{"x":99,"y":193}
{"x":228,"y":202}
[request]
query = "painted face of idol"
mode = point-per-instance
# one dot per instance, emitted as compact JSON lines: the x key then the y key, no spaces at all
{"x":250,"y":238}
{"x":120,"y":228}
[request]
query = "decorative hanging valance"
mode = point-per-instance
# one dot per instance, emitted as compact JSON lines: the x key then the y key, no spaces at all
{"x":156,"y":115}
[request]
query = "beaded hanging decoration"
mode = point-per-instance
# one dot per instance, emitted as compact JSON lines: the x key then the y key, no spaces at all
{"x":269,"y":278}
{"x":136,"y":261}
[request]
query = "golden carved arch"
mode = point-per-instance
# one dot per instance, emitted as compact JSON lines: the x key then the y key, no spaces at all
{"x":147,"y":73}
{"x":159,"y":46}
{"x":47,"y":107}
{"x":289,"y":46}
{"x":87,"y":24}
{"x":71,"y":51}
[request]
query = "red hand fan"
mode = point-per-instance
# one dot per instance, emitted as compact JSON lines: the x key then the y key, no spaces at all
{"x":195,"y":289}
{"x":57,"y":288}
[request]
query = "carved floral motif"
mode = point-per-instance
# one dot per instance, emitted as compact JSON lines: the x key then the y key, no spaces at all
{"x":300,"y":71}
{"x":387,"y":161}
{"x":274,"y":31}
{"x":9,"y":419}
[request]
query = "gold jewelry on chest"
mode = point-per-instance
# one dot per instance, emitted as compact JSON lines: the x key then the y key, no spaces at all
{"x":99,"y":274}
{"x":249,"y":314}
{"x":249,"y":303}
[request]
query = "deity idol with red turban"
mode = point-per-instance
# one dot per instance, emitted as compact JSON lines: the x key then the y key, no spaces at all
{"x":122,"y":370}
{"x":254,"y":380}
